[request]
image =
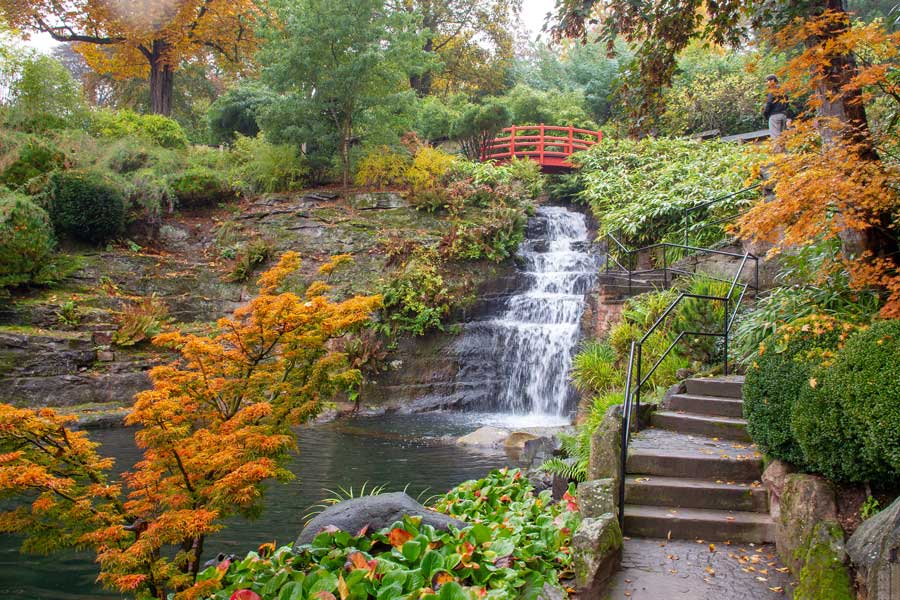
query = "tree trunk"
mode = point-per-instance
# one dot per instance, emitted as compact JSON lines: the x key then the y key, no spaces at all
{"x":846,"y":106}
{"x":162,"y":79}
{"x":421,"y":82}
{"x":345,"y":153}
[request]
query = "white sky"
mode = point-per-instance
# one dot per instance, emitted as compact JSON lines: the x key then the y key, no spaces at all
{"x":533,"y":15}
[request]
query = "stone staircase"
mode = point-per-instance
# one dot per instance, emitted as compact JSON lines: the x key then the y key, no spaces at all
{"x":694,"y":474}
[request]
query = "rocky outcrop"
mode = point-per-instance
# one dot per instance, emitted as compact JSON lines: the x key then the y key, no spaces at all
{"x":606,"y":447}
{"x":597,"y":553}
{"x":596,"y":498}
{"x":808,"y":535}
{"x":374,"y":512}
{"x":875,"y":551}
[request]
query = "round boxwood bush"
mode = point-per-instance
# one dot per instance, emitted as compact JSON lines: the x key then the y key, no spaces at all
{"x":35,"y":157}
{"x":86,"y":205}
{"x":847,"y":419}
{"x":779,"y":373}
{"x":201,"y":186}
{"x":26,"y":241}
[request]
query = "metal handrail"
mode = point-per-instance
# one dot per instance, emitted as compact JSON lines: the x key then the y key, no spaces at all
{"x":634,"y":383}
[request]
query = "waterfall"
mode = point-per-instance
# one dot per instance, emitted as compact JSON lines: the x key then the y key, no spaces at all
{"x":517,"y":361}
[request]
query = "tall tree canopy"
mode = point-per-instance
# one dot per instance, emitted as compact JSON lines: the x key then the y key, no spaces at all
{"x":473,"y":40}
{"x":343,"y":67}
{"x":144,"y":38}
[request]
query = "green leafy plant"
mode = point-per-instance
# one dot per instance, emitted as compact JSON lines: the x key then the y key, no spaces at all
{"x":516,"y":543}
{"x":847,"y":418}
{"x":869,"y":508}
{"x":26,"y":242}
{"x":703,"y":316}
{"x":118,"y":124}
{"x":262,"y":167}
{"x":141,"y":320}
{"x":595,"y":368}
{"x":32,"y":158}
{"x":249,"y":257}
{"x":69,"y":314}
{"x":576,"y":447}
{"x":416,"y":298}
{"x":87,"y":205}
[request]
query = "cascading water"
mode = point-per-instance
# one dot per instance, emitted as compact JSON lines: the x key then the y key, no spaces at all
{"x":517,"y":362}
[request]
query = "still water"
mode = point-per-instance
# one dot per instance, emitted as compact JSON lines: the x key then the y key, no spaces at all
{"x":404,"y":450}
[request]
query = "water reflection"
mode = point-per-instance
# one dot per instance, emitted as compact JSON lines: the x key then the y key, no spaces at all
{"x":404,"y":450}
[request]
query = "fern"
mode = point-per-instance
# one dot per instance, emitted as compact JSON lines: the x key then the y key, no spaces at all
{"x":572,"y":470}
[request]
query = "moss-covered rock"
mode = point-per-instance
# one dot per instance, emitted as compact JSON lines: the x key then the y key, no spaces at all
{"x":824,"y":575}
{"x":597,"y":552}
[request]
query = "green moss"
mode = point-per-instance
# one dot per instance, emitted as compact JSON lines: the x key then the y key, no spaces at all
{"x":824,"y":576}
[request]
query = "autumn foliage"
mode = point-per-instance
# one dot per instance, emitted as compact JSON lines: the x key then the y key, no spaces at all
{"x":828,"y":177}
{"x":214,"y":427}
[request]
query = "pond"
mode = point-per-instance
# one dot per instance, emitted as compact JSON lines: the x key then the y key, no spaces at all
{"x":416,"y":452}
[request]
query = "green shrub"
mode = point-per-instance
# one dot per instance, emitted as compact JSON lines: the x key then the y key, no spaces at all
{"x":199,"y":187}
{"x":26,"y":241}
{"x":140,"y":321}
{"x":248,"y":258}
{"x":235,"y":112}
{"x":118,"y":124}
{"x":847,"y":420}
{"x":35,"y":157}
{"x":779,"y":373}
{"x":416,"y":299}
{"x":263,"y":167}
{"x":86,"y":205}
{"x":595,"y":369}
{"x":44,"y":96}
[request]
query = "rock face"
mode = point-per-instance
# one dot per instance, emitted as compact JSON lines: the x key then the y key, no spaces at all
{"x":875,"y":551}
{"x":606,"y":447}
{"x":376,"y":512}
{"x":596,"y":498}
{"x":597,"y":552}
{"x":378,"y":200}
{"x":808,"y":535}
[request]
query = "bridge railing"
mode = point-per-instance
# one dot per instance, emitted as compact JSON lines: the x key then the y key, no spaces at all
{"x":540,"y":142}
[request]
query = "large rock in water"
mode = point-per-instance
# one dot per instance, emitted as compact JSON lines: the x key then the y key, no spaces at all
{"x":875,"y":550}
{"x":376,"y":512}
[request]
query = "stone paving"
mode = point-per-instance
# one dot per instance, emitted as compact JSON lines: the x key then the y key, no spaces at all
{"x":698,"y":570}
{"x":686,"y":444}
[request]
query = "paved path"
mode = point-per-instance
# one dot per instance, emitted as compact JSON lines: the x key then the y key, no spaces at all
{"x":695,"y":570}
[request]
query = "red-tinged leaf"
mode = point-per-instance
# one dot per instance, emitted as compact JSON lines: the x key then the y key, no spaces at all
{"x":323,"y":595}
{"x":504,"y":562}
{"x":363,"y":531}
{"x":440,"y":578}
{"x":343,"y":589}
{"x":247,"y":595}
{"x":398,"y":537}
{"x":358,"y":561}
{"x":223,"y":566}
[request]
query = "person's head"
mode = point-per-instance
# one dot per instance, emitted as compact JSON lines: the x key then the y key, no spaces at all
{"x":771,"y":80}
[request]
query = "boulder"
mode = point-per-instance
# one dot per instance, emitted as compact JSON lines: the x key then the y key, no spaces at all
{"x":517,"y":440}
{"x":824,"y":573}
{"x":606,"y":447}
{"x":875,"y":551}
{"x":596,"y":498}
{"x":492,"y":437}
{"x":805,"y":501}
{"x":378,"y":200}
{"x":374,"y":512}
{"x":597,"y":553}
{"x":775,"y":479}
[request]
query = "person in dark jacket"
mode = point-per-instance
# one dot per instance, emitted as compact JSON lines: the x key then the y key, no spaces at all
{"x":777,"y":109}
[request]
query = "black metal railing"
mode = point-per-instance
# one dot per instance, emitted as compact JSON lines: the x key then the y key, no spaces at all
{"x":636,"y":378}
{"x":705,"y":223}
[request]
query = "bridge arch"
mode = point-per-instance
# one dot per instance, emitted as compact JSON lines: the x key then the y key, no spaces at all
{"x":549,"y":145}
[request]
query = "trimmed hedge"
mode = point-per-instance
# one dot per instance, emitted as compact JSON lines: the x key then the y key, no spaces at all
{"x":847,"y":420}
{"x":775,"y":379}
{"x":86,"y":205}
{"x":26,"y":241}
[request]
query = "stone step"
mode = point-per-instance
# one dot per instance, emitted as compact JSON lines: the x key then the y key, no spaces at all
{"x":707,"y":405}
{"x":720,"y":427}
{"x":682,"y":492}
{"x":723,"y":387}
{"x":674,"y":464}
{"x":694,"y":524}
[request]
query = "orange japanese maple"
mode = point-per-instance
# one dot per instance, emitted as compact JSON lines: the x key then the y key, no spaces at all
{"x":827,"y":174}
{"x":214,"y":427}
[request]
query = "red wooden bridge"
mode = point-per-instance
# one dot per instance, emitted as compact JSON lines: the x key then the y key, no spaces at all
{"x":550,"y":146}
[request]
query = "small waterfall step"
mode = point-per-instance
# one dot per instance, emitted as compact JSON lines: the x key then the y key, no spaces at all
{"x":694,"y":474}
